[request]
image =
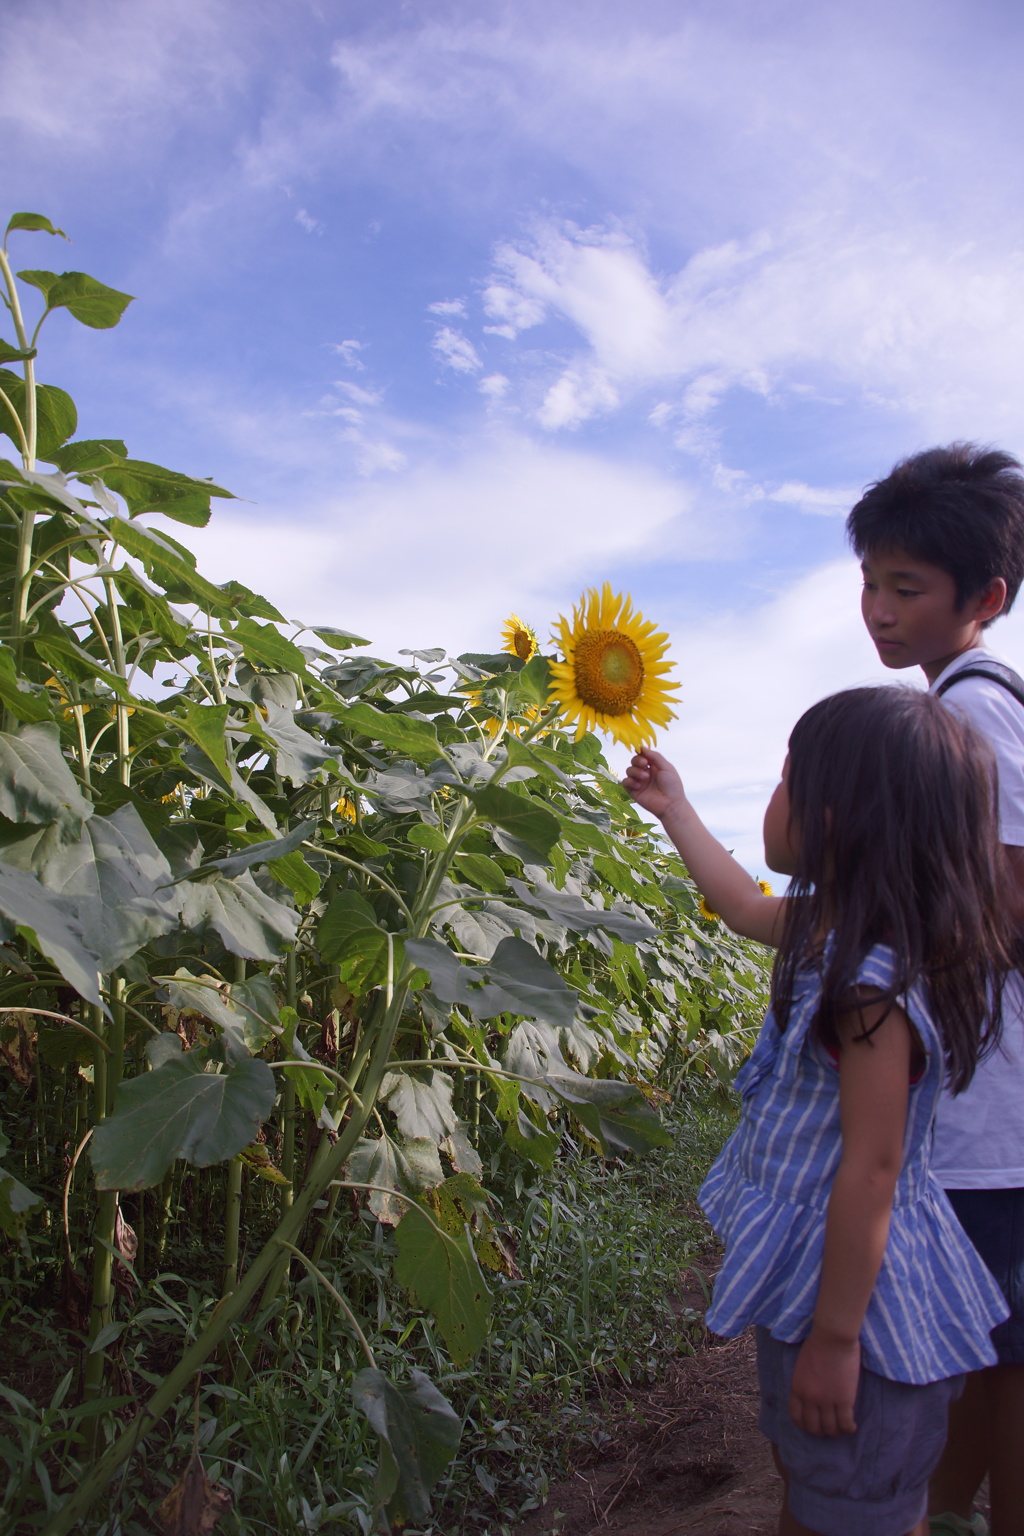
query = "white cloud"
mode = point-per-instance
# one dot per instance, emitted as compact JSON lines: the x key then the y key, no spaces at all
{"x":495,"y":386}
{"x":456,"y":350}
{"x":448,"y":307}
{"x":308,"y":223}
{"x":360,"y":396}
{"x":826,"y":501}
{"x":349,"y":352}
{"x":521,"y":527}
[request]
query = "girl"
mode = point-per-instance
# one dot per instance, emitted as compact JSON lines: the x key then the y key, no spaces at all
{"x":870,"y":1302}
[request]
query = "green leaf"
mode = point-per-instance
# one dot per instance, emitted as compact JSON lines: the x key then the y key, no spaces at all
{"x":533,"y":826}
{"x":180,"y":1110}
{"x":410,"y":1168}
{"x":422,"y":836}
{"x":150,"y":488}
{"x":256,"y":853}
{"x":575,"y":913}
{"x":443,"y":1274}
{"x":17,"y":696}
{"x":9,"y":354}
{"x":56,"y":416}
{"x":170,"y":564}
{"x":339,"y":639}
{"x":616,"y":1113}
{"x":415,"y":738}
{"x":52,"y":926}
{"x":481,"y":870}
{"x":245,"y":1020}
{"x":90,"y":301}
{"x":422,"y":1106}
{"x":497,"y":661}
{"x":297,"y":876}
{"x":36,"y":784}
{"x":89,"y":453}
{"x":206,"y":725}
{"x":114,"y":876}
{"x":419,"y":1433}
{"x":36,"y":221}
{"x":535,"y":680}
{"x":299,"y":755}
{"x":246,"y":922}
{"x":350,"y":936}
{"x":516,"y":979}
{"x":264,"y":646}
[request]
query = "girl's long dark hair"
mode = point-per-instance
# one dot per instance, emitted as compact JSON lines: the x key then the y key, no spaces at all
{"x":892,"y":800}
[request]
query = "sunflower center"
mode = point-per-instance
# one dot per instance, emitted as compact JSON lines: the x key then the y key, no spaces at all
{"x":609,"y":671}
{"x":523,"y":642}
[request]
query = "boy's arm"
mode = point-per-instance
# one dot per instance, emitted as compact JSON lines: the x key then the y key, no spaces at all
{"x":874,"y":1079}
{"x":724,"y":884}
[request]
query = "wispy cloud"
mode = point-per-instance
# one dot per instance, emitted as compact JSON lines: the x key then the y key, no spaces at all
{"x":456,"y":350}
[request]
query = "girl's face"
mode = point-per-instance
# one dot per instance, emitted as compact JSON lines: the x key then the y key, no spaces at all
{"x":781,"y":845}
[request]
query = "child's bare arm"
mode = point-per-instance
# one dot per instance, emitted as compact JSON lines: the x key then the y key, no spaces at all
{"x":725,"y":885}
{"x":874,"y":1077}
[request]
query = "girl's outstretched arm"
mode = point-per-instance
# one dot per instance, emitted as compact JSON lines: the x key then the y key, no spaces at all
{"x":874,"y":1078}
{"x":725,"y":885}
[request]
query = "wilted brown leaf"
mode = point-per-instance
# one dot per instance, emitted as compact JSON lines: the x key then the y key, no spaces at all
{"x":194,"y":1504}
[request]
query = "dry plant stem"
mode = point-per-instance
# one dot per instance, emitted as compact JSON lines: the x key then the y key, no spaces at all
{"x":106,"y":1077}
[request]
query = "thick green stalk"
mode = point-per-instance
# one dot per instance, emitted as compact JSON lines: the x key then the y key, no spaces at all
{"x":232,"y":1225}
{"x":107,"y":1070}
{"x":327,"y":1166}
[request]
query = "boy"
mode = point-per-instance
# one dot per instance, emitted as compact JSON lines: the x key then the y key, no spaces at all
{"x":941,"y":542}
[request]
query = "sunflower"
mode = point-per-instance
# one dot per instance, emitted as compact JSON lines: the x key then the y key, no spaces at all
{"x":765,"y":888}
{"x":706,"y":911}
{"x":346,"y":808}
{"x":519,"y":639}
{"x":613,"y":674}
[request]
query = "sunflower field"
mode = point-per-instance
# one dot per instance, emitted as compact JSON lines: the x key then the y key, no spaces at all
{"x":315,"y":967}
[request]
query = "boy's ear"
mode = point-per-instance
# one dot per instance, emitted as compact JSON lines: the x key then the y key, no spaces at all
{"x":991,"y":600}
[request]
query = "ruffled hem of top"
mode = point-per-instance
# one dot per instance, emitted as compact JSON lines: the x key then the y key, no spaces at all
{"x":933,"y":1306}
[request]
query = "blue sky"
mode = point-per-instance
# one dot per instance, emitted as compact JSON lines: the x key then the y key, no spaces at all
{"x":475,"y":304}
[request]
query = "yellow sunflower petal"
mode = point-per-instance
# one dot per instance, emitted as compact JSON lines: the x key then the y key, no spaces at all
{"x":706,"y":911}
{"x":518,"y":638}
{"x":764,"y":887}
{"x":611,"y":677}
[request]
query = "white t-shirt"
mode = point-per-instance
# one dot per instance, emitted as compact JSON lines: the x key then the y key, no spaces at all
{"x":979,"y":1135}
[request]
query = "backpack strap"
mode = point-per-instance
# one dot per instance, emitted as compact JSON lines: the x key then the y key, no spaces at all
{"x":994,"y":671}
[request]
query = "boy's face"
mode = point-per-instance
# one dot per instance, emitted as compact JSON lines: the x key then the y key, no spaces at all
{"x":910,"y":610}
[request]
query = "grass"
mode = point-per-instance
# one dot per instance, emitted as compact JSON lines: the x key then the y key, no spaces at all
{"x":600,"y":1250}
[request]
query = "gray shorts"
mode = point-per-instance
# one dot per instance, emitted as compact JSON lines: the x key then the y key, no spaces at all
{"x":872,"y":1483}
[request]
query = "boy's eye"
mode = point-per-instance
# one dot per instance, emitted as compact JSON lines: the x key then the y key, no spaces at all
{"x":907,"y":592}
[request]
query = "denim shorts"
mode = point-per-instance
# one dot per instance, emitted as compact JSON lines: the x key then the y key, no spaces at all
{"x":874,"y":1482}
{"x":994,"y":1221}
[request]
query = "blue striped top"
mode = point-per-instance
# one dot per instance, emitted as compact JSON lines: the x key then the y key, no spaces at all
{"x":934,"y":1301}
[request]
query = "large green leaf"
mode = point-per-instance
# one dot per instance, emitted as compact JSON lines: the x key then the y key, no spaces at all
{"x":115,"y":877}
{"x":256,"y":853}
{"x":91,"y":302}
{"x":89,"y":453}
{"x":33,"y":221}
{"x":350,"y":937}
{"x":409,"y":1168}
{"x":265,"y":646}
{"x":422,"y":1106}
{"x":516,"y":979}
{"x":36,"y":783}
{"x":17,"y":696}
{"x":416,"y":738}
{"x":616,"y":1113}
{"x":206,"y":724}
{"x":150,"y":488}
{"x":527,"y":821}
{"x":247,"y":1019}
{"x":56,"y":416}
{"x":419,"y":1433}
{"x":299,"y":755}
{"x":246,"y":922}
{"x":180,"y":1110}
{"x":52,"y":925}
{"x":168,"y":563}
{"x":575,"y":913}
{"x":443,"y":1274}
{"x":234,"y":784}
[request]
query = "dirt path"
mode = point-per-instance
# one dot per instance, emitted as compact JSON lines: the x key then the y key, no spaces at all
{"x":689,"y":1458}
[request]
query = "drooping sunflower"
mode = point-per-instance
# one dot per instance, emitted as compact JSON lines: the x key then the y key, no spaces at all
{"x":519,"y":639}
{"x":346,"y":809}
{"x":706,"y":911}
{"x":764,"y":886}
{"x":612,"y":677}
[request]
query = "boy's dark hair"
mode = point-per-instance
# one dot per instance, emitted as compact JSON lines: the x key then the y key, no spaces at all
{"x":891,"y":795}
{"x":960,"y":508}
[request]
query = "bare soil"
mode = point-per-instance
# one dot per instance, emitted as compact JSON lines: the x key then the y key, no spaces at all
{"x":685,"y":1455}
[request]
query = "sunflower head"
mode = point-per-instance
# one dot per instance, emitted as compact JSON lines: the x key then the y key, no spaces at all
{"x":519,"y":639}
{"x":612,"y":677}
{"x":706,"y":911}
{"x":346,"y":808}
{"x":764,"y":887}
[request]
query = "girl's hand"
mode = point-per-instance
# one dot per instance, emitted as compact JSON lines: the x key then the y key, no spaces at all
{"x":654,"y":784}
{"x":824,"y":1386}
